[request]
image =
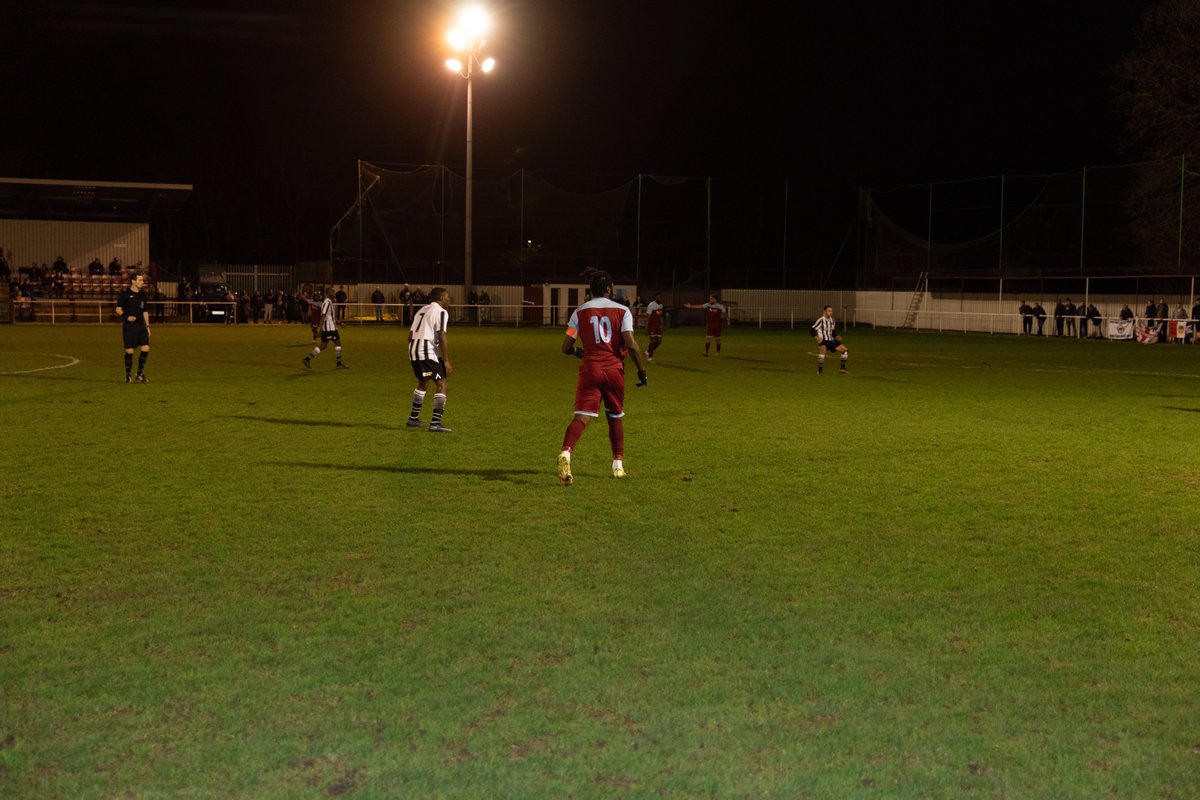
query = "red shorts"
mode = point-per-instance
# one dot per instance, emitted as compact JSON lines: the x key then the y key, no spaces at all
{"x":600,"y":386}
{"x":713,"y":330}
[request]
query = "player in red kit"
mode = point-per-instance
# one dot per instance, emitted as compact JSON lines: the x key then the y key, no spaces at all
{"x":714,"y":314}
{"x":654,"y":325}
{"x":604,"y":329}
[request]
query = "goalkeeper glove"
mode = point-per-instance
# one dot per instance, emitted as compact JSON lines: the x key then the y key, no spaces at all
{"x":579,"y":352}
{"x":641,"y":377}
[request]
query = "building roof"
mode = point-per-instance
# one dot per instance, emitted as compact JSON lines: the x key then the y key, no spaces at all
{"x":31,"y":198}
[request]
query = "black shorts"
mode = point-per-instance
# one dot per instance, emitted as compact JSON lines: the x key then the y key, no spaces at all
{"x":331,"y":336}
{"x":135,"y":334}
{"x":830,"y":344}
{"x":427,"y":370}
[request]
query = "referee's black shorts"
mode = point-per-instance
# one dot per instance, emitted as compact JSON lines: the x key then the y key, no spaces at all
{"x":135,"y":334}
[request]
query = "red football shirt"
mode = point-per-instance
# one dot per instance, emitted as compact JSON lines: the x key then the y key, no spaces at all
{"x":599,"y":325}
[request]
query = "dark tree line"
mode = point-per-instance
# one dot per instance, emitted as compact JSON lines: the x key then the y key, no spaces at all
{"x":1155,"y":90}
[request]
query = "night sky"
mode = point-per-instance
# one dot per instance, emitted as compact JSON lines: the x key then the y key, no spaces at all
{"x":265,"y":106}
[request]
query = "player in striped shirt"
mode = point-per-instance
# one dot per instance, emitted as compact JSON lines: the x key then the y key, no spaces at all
{"x":430,"y":358}
{"x":604,"y":328}
{"x":328,"y":328}
{"x":825,"y":332}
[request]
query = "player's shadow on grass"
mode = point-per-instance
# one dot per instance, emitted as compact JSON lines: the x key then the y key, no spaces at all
{"x":486,"y":474}
{"x":1181,"y":408}
{"x":314,"y":423}
{"x":676,"y":367}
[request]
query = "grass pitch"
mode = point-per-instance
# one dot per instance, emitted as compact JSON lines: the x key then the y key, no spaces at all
{"x":967,"y":568}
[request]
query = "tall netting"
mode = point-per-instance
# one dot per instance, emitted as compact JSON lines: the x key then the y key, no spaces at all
{"x":571,"y":221}
{"x":395,"y":229}
{"x":1137,"y":219}
{"x":408,"y":225}
{"x":673,"y":228}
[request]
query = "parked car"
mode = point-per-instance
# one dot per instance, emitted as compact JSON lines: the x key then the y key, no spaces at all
{"x":213,"y":307}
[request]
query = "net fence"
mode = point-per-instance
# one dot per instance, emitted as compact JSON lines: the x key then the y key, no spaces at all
{"x":408,"y":225}
{"x":1131,"y":220}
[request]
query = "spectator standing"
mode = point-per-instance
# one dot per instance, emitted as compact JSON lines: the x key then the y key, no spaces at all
{"x":378,"y":299}
{"x":1039,"y":313}
{"x":340,"y":298}
{"x":1026,"y":313}
{"x":473,"y":306}
{"x":183,"y":292}
{"x":1060,"y":311}
{"x":428,"y":353}
{"x":1092,"y":315}
{"x":269,"y":307}
{"x":406,"y":304}
{"x":256,"y":306}
{"x":1195,"y":327}
{"x":1071,"y":314}
{"x":135,"y":326}
{"x":485,"y":300}
{"x":1162,"y":313}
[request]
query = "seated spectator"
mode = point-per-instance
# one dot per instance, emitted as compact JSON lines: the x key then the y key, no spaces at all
{"x":95,"y":267}
{"x":60,"y":266}
{"x":114,"y":266}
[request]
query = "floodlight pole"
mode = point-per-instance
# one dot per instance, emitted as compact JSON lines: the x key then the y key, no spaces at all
{"x":467,"y":226}
{"x":469,"y":41}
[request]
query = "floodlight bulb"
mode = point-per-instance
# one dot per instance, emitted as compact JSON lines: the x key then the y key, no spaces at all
{"x":474,"y":20}
{"x":454,"y":65}
{"x":488,"y":64}
{"x":457,"y":39}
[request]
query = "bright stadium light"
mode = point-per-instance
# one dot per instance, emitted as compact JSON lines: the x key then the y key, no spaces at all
{"x":467,"y":39}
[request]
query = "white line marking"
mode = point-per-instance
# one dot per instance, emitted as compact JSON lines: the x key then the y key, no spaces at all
{"x":71,"y":361}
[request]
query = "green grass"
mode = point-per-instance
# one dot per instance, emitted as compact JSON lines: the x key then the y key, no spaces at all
{"x":968,"y":568}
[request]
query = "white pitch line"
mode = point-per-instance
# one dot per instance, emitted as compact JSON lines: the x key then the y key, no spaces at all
{"x":71,"y":361}
{"x":1013,"y":367}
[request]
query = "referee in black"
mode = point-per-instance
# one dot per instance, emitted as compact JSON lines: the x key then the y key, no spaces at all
{"x":135,"y":325}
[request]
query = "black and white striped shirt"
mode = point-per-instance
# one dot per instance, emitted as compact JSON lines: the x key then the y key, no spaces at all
{"x":328,"y":313}
{"x":429,"y":321}
{"x":825,"y":328}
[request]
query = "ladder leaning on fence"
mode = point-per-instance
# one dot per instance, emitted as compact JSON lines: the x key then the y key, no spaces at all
{"x":914,"y":307}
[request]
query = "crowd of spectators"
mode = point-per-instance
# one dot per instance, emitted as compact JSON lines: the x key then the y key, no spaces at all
{"x":1085,"y":321}
{"x":60,"y":281}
